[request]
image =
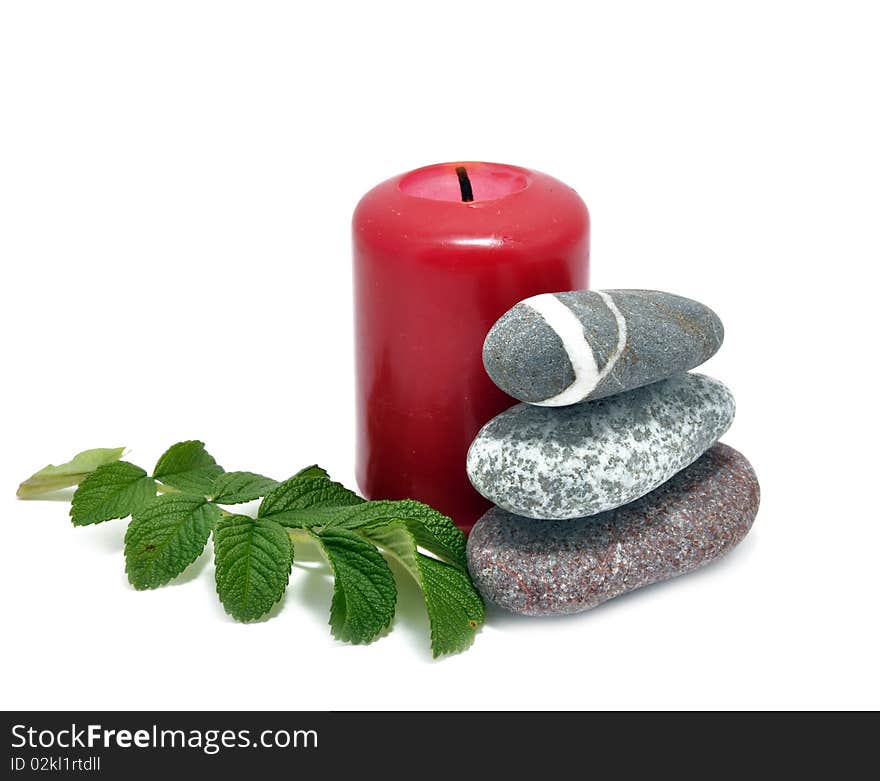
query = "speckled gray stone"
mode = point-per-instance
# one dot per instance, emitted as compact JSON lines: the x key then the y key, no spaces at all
{"x":557,"y":349}
{"x":587,"y":458}
{"x":552,"y":567}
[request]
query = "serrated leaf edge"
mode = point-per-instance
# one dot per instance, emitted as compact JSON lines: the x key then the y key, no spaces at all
{"x":382,"y":631}
{"x":177,"y":496}
{"x":218,"y":498}
{"x":436,"y":652}
{"x":84,"y":483}
{"x":218,"y":579}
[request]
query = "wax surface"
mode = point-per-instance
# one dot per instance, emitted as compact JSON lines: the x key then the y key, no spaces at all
{"x":432,"y":273}
{"x":488,"y":181}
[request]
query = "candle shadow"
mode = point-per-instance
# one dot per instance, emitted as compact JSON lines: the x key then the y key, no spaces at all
{"x":500,"y":618}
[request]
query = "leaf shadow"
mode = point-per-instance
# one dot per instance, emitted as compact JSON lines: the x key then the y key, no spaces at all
{"x":108,"y":537}
{"x":195,"y":569}
{"x":314,"y":586}
{"x":312,"y":580}
{"x":411,"y":615}
{"x":314,"y":589}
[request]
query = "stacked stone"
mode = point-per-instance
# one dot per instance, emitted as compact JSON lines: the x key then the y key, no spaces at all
{"x":609,"y":476}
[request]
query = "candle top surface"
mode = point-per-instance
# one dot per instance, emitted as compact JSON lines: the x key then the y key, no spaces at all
{"x":470,"y":206}
{"x":465,"y":182}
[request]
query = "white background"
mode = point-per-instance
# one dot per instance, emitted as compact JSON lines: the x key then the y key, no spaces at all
{"x":176,"y":185}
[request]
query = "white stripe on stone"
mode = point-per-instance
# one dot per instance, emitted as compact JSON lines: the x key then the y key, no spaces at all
{"x":570,"y":331}
{"x":620,"y":320}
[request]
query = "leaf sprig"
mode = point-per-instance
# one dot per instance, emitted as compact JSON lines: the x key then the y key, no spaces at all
{"x":254,"y":556}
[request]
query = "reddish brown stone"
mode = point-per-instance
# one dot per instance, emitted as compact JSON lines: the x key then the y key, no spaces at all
{"x":540,"y":567}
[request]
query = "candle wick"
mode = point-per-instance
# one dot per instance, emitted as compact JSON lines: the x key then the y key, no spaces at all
{"x":464,"y":182}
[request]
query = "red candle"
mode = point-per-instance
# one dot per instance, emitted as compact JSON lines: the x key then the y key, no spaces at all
{"x":440,"y":254}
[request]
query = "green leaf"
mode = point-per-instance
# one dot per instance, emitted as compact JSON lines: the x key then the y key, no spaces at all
{"x":51,"y":478}
{"x":454,"y":606}
{"x":189,"y":467}
{"x":112,"y":491}
{"x":435,"y":532}
{"x":312,"y":471}
{"x":238,"y":487}
{"x":307,"y":499}
{"x":364,"y":592}
{"x":455,"y":609}
{"x":252,"y":559}
{"x":165,"y":536}
{"x":431,"y":529}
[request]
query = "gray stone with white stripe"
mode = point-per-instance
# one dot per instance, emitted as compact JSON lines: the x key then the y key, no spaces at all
{"x":563,"y":348}
{"x":537,"y":352}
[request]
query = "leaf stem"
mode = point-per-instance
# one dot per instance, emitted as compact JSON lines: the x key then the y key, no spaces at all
{"x":300,"y":535}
